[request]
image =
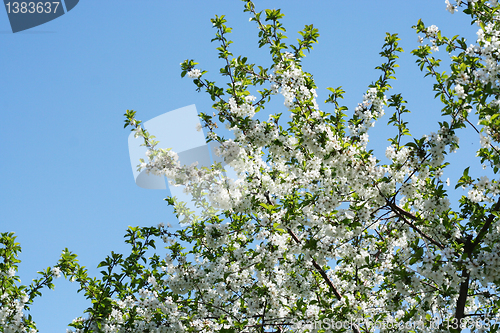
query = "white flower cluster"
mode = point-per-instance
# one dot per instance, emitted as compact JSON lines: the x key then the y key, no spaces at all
{"x":486,"y":72}
{"x":313,"y":201}
{"x":194,"y":73}
{"x":231,"y":152}
{"x":369,"y":110}
{"x":56,"y":272}
{"x":262,"y":133}
{"x":482,"y":188}
{"x":12,"y":316}
{"x":486,"y":267}
{"x":290,"y":78}
{"x":432,"y":33}
{"x":459,"y":90}
{"x":438,"y":143}
{"x":246,"y":109}
{"x":488,"y":48}
{"x":450,"y":7}
{"x":162,"y":163}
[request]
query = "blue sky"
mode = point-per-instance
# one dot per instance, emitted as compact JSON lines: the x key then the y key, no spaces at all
{"x":65,"y":85}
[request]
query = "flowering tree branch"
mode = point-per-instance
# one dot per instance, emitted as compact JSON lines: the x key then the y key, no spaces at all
{"x":315,"y":230}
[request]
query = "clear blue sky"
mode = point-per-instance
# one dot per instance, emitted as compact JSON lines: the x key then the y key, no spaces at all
{"x":65,"y":85}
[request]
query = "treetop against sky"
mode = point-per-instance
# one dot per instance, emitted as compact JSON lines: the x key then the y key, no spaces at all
{"x":336,"y":218}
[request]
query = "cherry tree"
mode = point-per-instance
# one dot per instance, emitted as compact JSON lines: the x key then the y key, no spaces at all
{"x":316,"y":234}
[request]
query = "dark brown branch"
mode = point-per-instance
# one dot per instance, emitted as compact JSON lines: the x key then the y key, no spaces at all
{"x":468,"y":249}
{"x":485,"y":227}
{"x":462,"y":296}
{"x":325,"y":277}
{"x":464,"y":286}
{"x":264,"y":316}
{"x":401,"y":213}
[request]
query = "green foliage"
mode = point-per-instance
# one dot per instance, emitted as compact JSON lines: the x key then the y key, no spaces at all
{"x":348,"y":238}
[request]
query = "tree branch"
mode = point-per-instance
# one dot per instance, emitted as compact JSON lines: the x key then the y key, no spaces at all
{"x":323,"y":274}
{"x":401,"y":213}
{"x":468,"y":249}
{"x":464,"y":286}
{"x":485,"y":227}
